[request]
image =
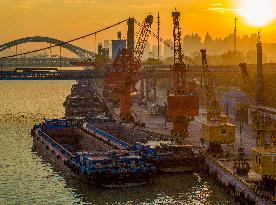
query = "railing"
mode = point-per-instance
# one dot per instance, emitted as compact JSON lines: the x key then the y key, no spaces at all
{"x":91,"y":170}
{"x":47,"y":75}
{"x":107,"y":136}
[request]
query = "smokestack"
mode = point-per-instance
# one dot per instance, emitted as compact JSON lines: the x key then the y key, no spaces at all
{"x":119,"y":35}
{"x":158,"y":34}
{"x":130,"y":34}
{"x":100,"y":46}
{"x":259,"y":80}
{"x":235,"y":35}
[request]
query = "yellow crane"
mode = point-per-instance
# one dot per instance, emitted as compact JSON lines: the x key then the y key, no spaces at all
{"x":264,"y":154}
{"x":217,"y":130}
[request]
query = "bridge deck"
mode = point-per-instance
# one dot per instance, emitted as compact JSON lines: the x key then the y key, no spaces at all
{"x":47,"y":75}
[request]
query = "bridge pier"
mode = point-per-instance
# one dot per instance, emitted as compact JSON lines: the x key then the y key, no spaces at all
{"x":142,"y":89}
{"x":148,"y":83}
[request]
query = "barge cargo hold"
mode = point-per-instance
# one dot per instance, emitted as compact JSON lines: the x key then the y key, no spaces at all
{"x":87,"y":158}
{"x":156,"y":149}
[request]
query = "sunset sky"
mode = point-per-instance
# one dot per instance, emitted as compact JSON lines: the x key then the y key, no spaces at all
{"x":66,"y":19}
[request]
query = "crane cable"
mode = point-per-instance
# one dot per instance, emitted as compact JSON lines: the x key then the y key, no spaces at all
{"x":66,"y":42}
{"x":188,"y":59}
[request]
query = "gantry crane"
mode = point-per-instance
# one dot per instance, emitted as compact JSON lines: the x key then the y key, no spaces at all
{"x":122,"y":77}
{"x":182,"y":103}
{"x":217,"y":130}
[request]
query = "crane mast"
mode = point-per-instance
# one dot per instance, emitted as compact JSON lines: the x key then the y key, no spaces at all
{"x":211,"y":101}
{"x":183,"y":103}
{"x":178,"y":55}
{"x":179,"y":68}
{"x":142,"y":40}
{"x":217,"y":130}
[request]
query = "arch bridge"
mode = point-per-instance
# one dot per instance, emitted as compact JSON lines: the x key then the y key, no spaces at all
{"x":80,"y":52}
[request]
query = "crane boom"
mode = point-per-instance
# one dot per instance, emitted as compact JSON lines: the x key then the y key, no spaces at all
{"x":122,"y":77}
{"x":142,"y":40}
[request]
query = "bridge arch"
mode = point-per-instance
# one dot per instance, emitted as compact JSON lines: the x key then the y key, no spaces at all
{"x":82,"y":53}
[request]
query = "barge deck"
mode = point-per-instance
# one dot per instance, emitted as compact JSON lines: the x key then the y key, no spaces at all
{"x":87,"y":158}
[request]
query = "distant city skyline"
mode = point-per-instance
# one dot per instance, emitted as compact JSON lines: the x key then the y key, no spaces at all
{"x":192,"y":43}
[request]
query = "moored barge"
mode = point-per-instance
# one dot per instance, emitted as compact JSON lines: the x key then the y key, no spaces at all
{"x":87,"y":158}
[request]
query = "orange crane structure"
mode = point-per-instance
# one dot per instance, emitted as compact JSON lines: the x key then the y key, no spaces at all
{"x":183,"y":104}
{"x":121,"y":79}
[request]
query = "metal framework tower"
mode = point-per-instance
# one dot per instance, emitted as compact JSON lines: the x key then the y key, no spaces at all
{"x":235,"y":35}
{"x":259,"y":81}
{"x":178,"y":56}
{"x":158,"y":34}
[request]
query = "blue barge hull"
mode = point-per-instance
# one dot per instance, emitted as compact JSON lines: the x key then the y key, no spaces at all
{"x":86,"y":158}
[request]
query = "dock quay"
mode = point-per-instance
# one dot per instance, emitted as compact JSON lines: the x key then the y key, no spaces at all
{"x":243,"y":188}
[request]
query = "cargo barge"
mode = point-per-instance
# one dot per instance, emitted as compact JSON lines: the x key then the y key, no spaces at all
{"x":84,"y":101}
{"x":88,"y":158}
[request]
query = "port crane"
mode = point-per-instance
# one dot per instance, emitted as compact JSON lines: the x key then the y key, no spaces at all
{"x":217,"y":130}
{"x":122,"y":77}
{"x":264,"y":130}
{"x":182,"y":102}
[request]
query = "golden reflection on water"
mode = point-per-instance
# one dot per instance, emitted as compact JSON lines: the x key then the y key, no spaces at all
{"x":32,"y":100}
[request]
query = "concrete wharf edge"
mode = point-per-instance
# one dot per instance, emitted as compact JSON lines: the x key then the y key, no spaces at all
{"x":226,"y":177}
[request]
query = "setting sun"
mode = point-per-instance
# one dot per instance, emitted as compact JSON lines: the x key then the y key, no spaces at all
{"x":257,"y":13}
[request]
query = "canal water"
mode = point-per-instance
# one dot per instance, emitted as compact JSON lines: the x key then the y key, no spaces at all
{"x":25,"y":178}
